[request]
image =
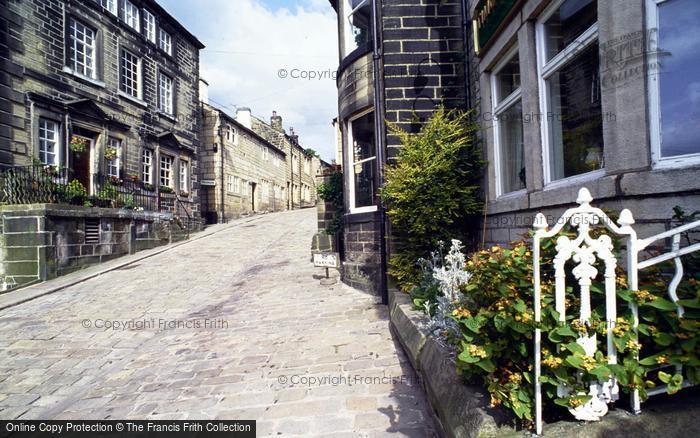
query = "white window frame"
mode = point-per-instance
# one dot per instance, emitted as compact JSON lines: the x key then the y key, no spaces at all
{"x":125,"y":87}
{"x":165,"y":95}
{"x":347,"y":26}
{"x":498,"y":108}
{"x":110,"y":5}
{"x":149,"y":26}
{"x":115,"y":163}
{"x":183,"y":176}
{"x":131,"y":15}
{"x":165,"y":171}
{"x":147,"y":166}
{"x":657,"y":160}
{"x":73,"y":42}
{"x":351,"y":165}
{"x":45,"y":140}
{"x":165,"y":41}
{"x":545,"y":70}
{"x":230,"y":183}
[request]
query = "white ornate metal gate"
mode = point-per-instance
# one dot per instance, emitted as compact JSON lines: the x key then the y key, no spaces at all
{"x":584,"y":251}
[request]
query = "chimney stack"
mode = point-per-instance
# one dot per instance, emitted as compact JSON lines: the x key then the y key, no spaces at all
{"x":276,"y":121}
{"x":243,"y":117}
{"x":203,"y":91}
{"x":293,"y":136}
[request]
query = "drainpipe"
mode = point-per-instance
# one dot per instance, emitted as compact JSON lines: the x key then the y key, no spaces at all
{"x":221,"y":161}
{"x":467,"y":67}
{"x":379,"y":141}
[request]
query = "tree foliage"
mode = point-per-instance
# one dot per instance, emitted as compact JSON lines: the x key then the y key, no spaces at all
{"x":432,"y":191}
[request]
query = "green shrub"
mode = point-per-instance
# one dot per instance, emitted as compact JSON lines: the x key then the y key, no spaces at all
{"x":432,"y":191}
{"x":332,"y":192}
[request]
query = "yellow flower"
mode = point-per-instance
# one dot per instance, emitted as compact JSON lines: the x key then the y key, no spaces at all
{"x":643,"y":296}
{"x":633,"y":345}
{"x":552,"y":361}
{"x":515,"y":378}
{"x":661,"y":360}
{"x":574,"y":402}
{"x":588,"y":363}
{"x":477,"y":351}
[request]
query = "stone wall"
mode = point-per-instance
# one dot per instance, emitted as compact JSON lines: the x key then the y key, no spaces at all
{"x":362,"y":258}
{"x":423,"y":62}
{"x":42,"y":241}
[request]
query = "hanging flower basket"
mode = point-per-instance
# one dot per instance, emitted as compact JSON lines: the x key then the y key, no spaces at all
{"x":110,"y":153}
{"x":78,"y":144}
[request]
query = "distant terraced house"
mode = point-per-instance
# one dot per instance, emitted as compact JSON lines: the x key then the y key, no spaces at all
{"x":98,"y":133}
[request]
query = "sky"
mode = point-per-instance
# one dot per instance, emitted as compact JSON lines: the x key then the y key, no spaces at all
{"x":261,"y":54}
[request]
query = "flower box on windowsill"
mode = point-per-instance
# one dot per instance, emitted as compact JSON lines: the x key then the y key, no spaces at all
{"x":184,"y":194}
{"x":166,"y":189}
{"x":148,"y":186}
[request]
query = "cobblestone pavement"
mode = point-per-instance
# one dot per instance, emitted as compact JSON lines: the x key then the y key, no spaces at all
{"x":262,"y":339}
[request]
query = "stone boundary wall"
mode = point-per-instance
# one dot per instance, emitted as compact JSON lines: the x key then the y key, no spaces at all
{"x":43,"y":241}
{"x":463,"y":410}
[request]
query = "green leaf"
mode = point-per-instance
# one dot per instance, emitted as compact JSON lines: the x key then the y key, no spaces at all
{"x":601,"y":372}
{"x":664,"y":377}
{"x":520,"y":327}
{"x":562,"y":402}
{"x":663,"y":339}
{"x":575,"y":362}
{"x":467,"y":358}
{"x":693,"y":304}
{"x":566,"y":331}
{"x":574,"y":347}
{"x":662,"y":304}
{"x":487,"y":365}
{"x":520,"y":306}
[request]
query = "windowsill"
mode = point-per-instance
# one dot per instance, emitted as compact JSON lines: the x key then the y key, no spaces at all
{"x":170,"y":117}
{"x":133,"y":99}
{"x":584,"y":177}
{"x":510,"y":195}
{"x":83,"y":78}
{"x":677,"y":162}
{"x":359,"y":210}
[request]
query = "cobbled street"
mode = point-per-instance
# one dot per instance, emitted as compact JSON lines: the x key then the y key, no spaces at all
{"x":258,"y":338}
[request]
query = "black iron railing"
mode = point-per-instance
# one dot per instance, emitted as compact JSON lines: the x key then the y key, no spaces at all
{"x":38,"y":184}
{"x":124,"y":193}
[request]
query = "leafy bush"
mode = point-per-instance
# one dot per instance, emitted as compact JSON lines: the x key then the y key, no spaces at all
{"x":495,"y":320}
{"x":432,"y":190}
{"x":74,"y":192}
{"x":332,"y":192}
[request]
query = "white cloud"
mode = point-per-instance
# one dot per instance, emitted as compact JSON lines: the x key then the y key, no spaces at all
{"x":247,"y":45}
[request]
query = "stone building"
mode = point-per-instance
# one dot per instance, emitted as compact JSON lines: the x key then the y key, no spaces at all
{"x":400,"y":76}
{"x":112,"y":74}
{"x":241,"y":172}
{"x":301,"y":182}
{"x":584,"y":93}
{"x":103,"y":93}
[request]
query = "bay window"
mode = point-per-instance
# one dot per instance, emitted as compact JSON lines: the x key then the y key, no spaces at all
{"x":508,"y":125}
{"x":674,"y":89}
{"x":82,"y":49}
{"x":166,"y":171}
{"x":358,"y":24}
{"x":49,"y":142}
{"x":568,"y":64}
{"x":362,"y":155}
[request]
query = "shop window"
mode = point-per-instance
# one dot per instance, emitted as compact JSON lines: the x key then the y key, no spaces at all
{"x":508,"y":125}
{"x":568,"y":61}
{"x":674,"y":88}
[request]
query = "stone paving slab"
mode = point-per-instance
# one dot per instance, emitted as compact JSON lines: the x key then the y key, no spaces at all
{"x":233,"y":325}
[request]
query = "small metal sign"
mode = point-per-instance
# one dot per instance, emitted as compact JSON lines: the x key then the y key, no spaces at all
{"x":327,"y":259}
